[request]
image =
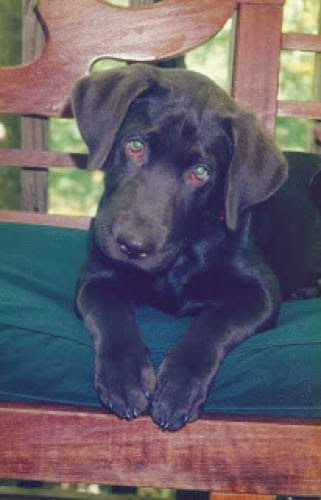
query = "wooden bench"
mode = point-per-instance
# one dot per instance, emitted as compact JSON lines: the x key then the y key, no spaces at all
{"x":235,"y":456}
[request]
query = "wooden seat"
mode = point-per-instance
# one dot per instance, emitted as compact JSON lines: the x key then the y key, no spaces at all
{"x":236,"y":456}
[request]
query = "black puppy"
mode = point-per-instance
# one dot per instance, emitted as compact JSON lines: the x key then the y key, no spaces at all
{"x":185,"y":168}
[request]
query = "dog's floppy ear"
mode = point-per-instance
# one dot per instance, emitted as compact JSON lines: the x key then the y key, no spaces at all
{"x":257,"y":170}
{"x":100,"y":103}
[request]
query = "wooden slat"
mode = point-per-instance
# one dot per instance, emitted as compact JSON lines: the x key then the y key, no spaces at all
{"x":257,"y":54}
{"x":300,"y":109}
{"x":301,"y":41}
{"x":137,"y":3}
{"x":62,"y":492}
{"x":72,"y":221}
{"x":151,"y":32}
{"x":41,"y":159}
{"x":240,"y":496}
{"x":263,"y":2}
{"x":34,"y":130}
{"x":230,"y":454}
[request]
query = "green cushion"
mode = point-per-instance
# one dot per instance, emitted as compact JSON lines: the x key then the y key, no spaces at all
{"x":46,"y":353}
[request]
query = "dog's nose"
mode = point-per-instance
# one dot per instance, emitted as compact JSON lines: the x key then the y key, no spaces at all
{"x":133,"y":247}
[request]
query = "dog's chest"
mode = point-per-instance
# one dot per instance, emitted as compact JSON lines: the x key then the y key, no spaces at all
{"x":190,"y":285}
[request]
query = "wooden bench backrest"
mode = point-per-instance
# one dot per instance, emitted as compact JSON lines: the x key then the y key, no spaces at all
{"x":82,"y":31}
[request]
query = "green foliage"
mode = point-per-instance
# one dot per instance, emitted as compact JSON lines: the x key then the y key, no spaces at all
{"x":212,"y":58}
{"x":74,"y":191}
{"x":301,"y":15}
{"x":293,"y":134}
{"x":297,"y":76}
{"x":10,"y":32}
{"x":296,"y":83}
{"x":10,"y":53}
{"x":71,"y":191}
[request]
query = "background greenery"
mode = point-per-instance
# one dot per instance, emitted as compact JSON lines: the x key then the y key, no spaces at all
{"x":77,"y":192}
{"x":10,"y":53}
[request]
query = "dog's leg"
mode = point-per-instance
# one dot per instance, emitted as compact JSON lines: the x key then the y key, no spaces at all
{"x":124,"y":377}
{"x":185,"y":376}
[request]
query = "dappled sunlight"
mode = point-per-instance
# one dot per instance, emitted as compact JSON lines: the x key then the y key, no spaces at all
{"x":301,"y":15}
{"x":74,"y":192}
{"x":212,"y":58}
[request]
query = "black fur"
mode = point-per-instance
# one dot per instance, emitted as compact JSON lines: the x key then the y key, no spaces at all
{"x":185,"y":170}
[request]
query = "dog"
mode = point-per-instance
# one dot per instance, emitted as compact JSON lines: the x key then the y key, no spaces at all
{"x":188,"y":180}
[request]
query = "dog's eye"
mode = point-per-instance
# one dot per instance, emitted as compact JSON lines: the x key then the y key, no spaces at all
{"x":199,"y":175}
{"x":136,"y":145}
{"x":136,"y":149}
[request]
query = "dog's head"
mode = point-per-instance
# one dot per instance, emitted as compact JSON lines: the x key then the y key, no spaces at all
{"x":177,"y":152}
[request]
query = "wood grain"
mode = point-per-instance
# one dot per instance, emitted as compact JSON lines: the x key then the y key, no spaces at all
{"x":240,"y":496}
{"x":71,"y":221}
{"x":262,"y":2}
{"x":41,"y":159}
{"x":257,"y":55}
{"x":300,"y":109}
{"x":150,"y":32}
{"x":301,"y":41}
{"x":34,"y":130}
{"x":220,"y":454}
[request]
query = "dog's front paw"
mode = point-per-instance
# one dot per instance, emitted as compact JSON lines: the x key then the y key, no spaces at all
{"x":125,"y":383}
{"x":180,"y":394}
